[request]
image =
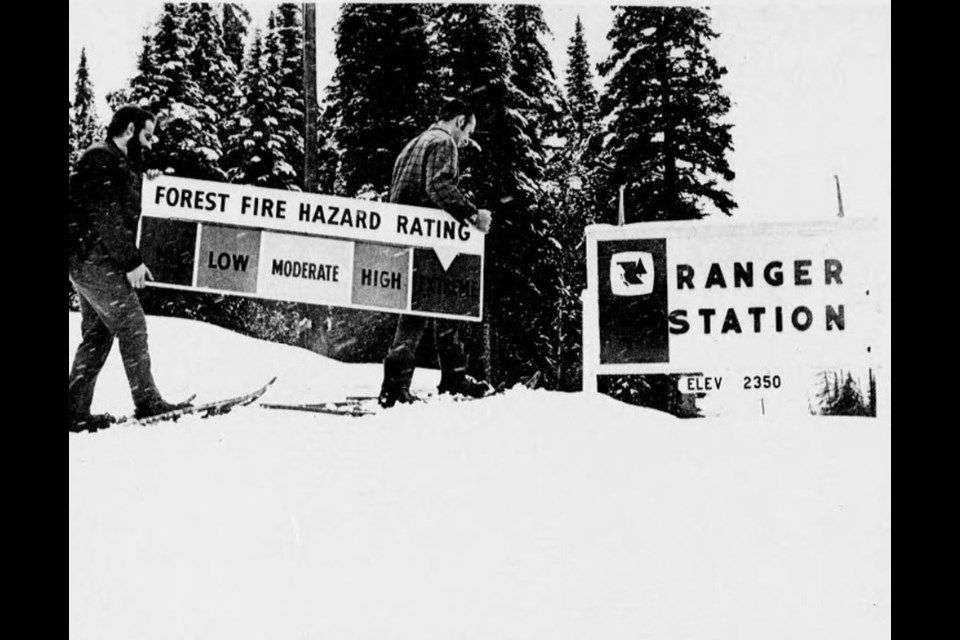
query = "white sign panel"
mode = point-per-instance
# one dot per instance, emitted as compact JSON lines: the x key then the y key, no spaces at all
{"x":709,"y":297}
{"x":305,"y":247}
{"x":310,"y":213}
{"x":305,"y":269}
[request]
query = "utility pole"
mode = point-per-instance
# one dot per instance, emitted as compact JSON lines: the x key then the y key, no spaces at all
{"x":310,"y":96}
{"x":316,"y":329}
{"x":839,"y":199}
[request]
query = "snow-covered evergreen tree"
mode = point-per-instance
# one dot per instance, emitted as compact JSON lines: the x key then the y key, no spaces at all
{"x":188,"y":144}
{"x":284,"y":51}
{"x":475,"y":64}
{"x":86,"y":125}
{"x":569,"y":184}
{"x":329,"y":179}
{"x":380,"y":96}
{"x":211,"y":67}
{"x":542,"y":107}
{"x":71,"y":137}
{"x":581,"y":122}
{"x":580,"y":92}
{"x":236,"y":25}
{"x":85,"y":129}
{"x":72,"y":152}
{"x":663,"y":109}
{"x":265,"y":135}
{"x":533,"y":73}
{"x":473,"y":50}
{"x":254,"y":146}
{"x":143,"y":89}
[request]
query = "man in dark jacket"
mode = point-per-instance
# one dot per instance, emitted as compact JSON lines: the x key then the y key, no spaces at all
{"x":425,"y":175}
{"x":106,"y":267}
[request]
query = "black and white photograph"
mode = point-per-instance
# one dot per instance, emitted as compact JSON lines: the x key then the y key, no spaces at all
{"x":432,"y":321}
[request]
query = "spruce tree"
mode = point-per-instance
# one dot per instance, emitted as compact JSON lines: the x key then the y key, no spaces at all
{"x":541,"y":106}
{"x":378,"y":100}
{"x":252,"y":155}
{"x":143,"y":89}
{"x":374,"y":105}
{"x":666,"y":140}
{"x":284,"y":51}
{"x":380,"y":94}
{"x":86,"y":124}
{"x":851,"y":401}
{"x":581,"y":94}
{"x":188,"y":144}
{"x":236,"y":24}
{"x":72,"y":147}
{"x":533,"y":75}
{"x":71,"y":137}
{"x":329,"y":177}
{"x":581,"y":129}
{"x":210,"y":66}
{"x":475,"y":64}
{"x":568,"y":179}
{"x":473,"y":51}
{"x":831,"y":397}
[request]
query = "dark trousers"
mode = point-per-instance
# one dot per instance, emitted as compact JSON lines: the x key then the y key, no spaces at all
{"x":400,"y":361}
{"x":109,"y":308}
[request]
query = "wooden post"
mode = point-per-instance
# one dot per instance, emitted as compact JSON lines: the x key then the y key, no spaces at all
{"x":839,"y":199}
{"x":622,"y":214}
{"x":319,"y":315}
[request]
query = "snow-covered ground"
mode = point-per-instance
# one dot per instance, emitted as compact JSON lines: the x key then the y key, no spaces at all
{"x":534,"y":515}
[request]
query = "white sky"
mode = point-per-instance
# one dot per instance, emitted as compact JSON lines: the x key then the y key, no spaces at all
{"x":810,"y":87}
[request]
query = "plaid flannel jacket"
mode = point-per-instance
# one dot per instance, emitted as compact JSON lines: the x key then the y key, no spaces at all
{"x":426,"y":175}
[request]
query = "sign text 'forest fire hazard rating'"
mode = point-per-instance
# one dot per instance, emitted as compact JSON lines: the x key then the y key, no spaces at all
{"x":307,"y":247}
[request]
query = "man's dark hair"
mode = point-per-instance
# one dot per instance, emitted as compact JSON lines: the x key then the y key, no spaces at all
{"x":456,"y":107}
{"x":124,"y":116}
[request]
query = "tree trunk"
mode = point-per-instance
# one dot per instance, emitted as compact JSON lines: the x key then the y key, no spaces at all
{"x":310,"y":97}
{"x":316,"y":338}
{"x":669,"y":193}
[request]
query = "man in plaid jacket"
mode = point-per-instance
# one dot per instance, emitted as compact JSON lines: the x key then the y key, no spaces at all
{"x":426,"y":175}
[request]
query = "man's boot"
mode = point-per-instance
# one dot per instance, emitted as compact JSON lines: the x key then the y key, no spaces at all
{"x":398,"y":369}
{"x":92,"y":422}
{"x":453,"y":375}
{"x":158,"y":406}
{"x":459,"y":383}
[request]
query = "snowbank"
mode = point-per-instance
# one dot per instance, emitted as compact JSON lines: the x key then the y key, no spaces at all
{"x":530,"y":515}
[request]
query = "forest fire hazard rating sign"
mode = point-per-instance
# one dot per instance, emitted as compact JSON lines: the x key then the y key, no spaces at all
{"x":301,"y":247}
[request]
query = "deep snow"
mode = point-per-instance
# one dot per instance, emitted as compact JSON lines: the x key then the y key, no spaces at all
{"x":531,"y":515}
